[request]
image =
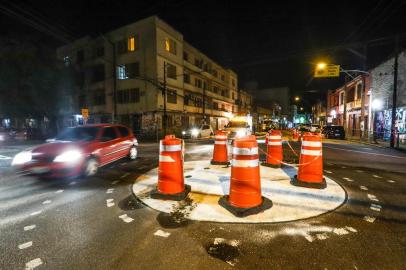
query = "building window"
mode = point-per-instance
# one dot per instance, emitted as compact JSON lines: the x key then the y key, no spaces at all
{"x":99,"y":51}
{"x":132,"y":43}
{"x":98,"y":73}
{"x":135,"y":95}
{"x":198,"y":63}
{"x":215,"y":105}
{"x":128,"y":71}
{"x":186,"y":78}
{"x":214,"y":72}
{"x":204,"y":85}
{"x":233,"y":95}
{"x":215,"y":89}
{"x":185,"y":56}
{"x":171,"y":71}
{"x":66,"y":61}
{"x":198,"y":83}
{"x":99,"y":98}
{"x":171,"y":96}
{"x":129,"y":44}
{"x":170,"y":45}
{"x":359,"y":89}
{"x":128,"y":96}
{"x":121,"y":46}
{"x":232,"y":82}
{"x":341,"y":98}
{"x":80,"y":56}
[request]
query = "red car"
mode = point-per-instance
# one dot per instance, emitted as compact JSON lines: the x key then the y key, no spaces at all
{"x":78,"y":151}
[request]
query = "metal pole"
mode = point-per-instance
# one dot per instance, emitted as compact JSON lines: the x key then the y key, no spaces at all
{"x":345,"y":106}
{"x":204,"y":104}
{"x":114,"y":83}
{"x":395,"y":92}
{"x":362,"y":130}
{"x":164,"y":96}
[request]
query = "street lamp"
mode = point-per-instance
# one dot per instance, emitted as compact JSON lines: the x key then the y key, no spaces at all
{"x":297,"y":98}
{"x":376,"y":104}
{"x":321,"y":65}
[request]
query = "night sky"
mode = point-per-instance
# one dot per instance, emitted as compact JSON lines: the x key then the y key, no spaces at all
{"x":273,"y":43}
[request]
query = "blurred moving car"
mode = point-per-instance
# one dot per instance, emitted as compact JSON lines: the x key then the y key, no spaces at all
{"x":78,"y":151}
{"x":194,"y":132}
{"x":238,"y":126}
{"x":334,"y":132}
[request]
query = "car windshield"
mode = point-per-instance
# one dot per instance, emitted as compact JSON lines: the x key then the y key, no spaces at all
{"x":78,"y":134}
{"x":237,"y":124}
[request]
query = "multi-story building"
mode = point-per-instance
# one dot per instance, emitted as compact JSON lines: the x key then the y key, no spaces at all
{"x":319,"y":113}
{"x":133,"y":63}
{"x":348,"y":105}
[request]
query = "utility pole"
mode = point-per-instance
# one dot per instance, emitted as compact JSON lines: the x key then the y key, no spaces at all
{"x":114,"y":83}
{"x":395,"y":93}
{"x":164,"y":120}
{"x":362,"y":128}
{"x":345,"y":106}
{"x":204,"y":103}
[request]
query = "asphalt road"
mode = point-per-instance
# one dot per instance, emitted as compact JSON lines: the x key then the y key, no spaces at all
{"x":96,"y":223}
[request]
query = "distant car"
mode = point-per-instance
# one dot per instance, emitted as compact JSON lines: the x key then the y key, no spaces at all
{"x":202,"y":131}
{"x":78,"y":151}
{"x":315,"y":128}
{"x":334,"y":132}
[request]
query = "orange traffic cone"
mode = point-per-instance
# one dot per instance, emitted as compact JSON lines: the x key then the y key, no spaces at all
{"x":245,"y":187}
{"x":274,"y":150}
{"x":170,"y":172}
{"x":220,"y":155}
{"x":310,"y":173}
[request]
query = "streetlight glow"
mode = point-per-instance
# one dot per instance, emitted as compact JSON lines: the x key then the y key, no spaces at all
{"x":376,"y":104}
{"x":297,"y":98}
{"x":321,"y":65}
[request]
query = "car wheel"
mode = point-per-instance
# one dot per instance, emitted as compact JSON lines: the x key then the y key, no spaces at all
{"x":133,"y":153}
{"x":91,"y":167}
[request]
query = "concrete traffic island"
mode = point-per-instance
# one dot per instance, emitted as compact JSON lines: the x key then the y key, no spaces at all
{"x":210,"y":182}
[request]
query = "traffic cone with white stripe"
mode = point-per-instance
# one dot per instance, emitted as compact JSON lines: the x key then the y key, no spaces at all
{"x":310,"y":173}
{"x":245,"y":187}
{"x":171,"y":184}
{"x":220,"y":155}
{"x":274,"y":155}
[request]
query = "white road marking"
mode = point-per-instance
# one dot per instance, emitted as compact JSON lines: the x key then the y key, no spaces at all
{"x":126,"y":218}
{"x":30,"y":227}
{"x":369,"y":153}
{"x":4,"y":157}
{"x":46,"y":202}
{"x":309,"y":238}
{"x":351,"y":229}
{"x":59,"y":191}
{"x":115,"y":182}
{"x":348,"y":179}
{"x":25,"y":245}
{"x":72,"y":183}
{"x":390,"y":181}
{"x":124,"y":175}
{"x":35,"y":213}
{"x":110,"y":190}
{"x":375,"y":207}
{"x":33,"y":264}
{"x":372,"y":197}
{"x":110,"y":202}
{"x":322,"y":236}
{"x":369,"y":219}
{"x":376,"y":176}
{"x":363,"y":187}
{"x":343,"y":167}
{"x":340,"y":231}
{"x":360,"y":171}
{"x":328,"y":171}
{"x":162,"y":233}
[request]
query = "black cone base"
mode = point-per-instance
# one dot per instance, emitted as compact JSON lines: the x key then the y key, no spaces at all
{"x":244,"y":212}
{"x":155,"y":194}
{"x":296,"y":182}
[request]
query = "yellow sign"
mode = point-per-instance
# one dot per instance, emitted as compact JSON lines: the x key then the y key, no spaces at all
{"x":85,"y":113}
{"x":327,"y":71}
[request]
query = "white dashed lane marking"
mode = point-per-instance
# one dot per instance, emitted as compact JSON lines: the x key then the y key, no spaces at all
{"x":59,"y":191}
{"x":46,"y":202}
{"x":326,"y":171}
{"x":376,"y":207}
{"x":115,"y":182}
{"x":351,"y":229}
{"x":72,"y":183}
{"x":376,"y":176}
{"x":360,"y":171}
{"x":340,"y":231}
{"x":348,"y":179}
{"x":4,"y":157}
{"x":35,"y":213}
{"x":162,"y":233}
{"x":33,"y":264}
{"x":390,"y":181}
{"x":372,"y":197}
{"x":110,"y":190}
{"x":369,"y":219}
{"x":126,"y":218}
{"x":29,"y":227}
{"x":25,"y":245}
{"x":322,"y":236}
{"x":124,"y":175}
{"x":363,"y":187}
{"x":110,"y":202}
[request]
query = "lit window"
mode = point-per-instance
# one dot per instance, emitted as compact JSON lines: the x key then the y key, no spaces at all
{"x":170,"y":45}
{"x":121,"y":74}
{"x":131,"y":44}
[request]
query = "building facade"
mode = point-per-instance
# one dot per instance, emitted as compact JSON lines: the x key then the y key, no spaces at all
{"x":121,"y":77}
{"x":319,"y":113}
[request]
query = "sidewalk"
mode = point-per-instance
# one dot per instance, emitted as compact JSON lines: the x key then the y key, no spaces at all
{"x":379,"y":143}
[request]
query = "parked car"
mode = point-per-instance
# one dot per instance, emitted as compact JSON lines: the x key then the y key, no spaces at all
{"x":78,"y":151}
{"x":334,"y":132}
{"x":198,"y":132}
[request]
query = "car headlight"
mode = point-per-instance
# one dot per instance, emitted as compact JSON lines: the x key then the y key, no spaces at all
{"x":183,"y":132}
{"x":195,"y":132}
{"x":240,"y":133}
{"x":69,"y":156}
{"x":21,"y":158}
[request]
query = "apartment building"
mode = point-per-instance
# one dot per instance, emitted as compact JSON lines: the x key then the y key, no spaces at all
{"x":133,"y":63}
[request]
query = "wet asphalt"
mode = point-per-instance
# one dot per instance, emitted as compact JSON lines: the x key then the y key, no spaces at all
{"x":96,"y":223}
